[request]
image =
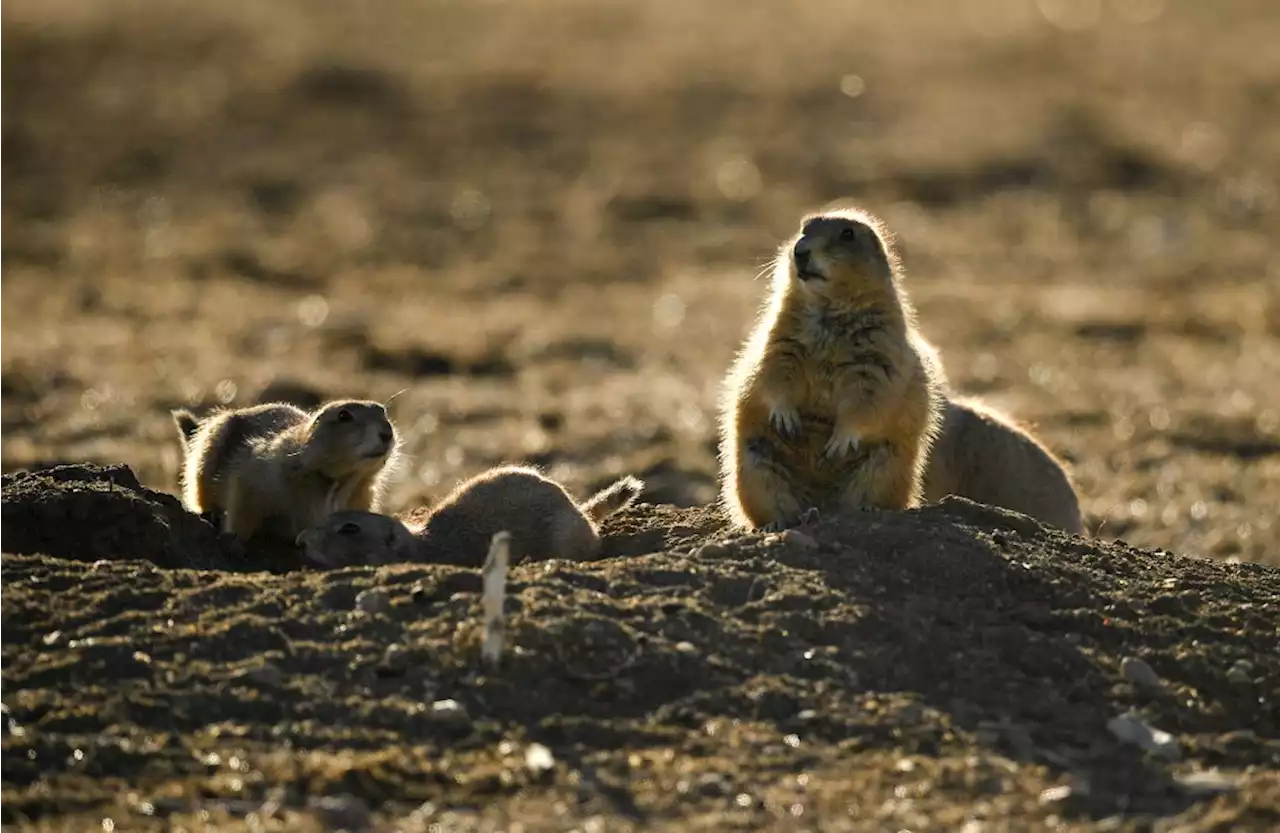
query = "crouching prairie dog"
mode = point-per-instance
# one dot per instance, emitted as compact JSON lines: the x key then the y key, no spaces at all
{"x":830,"y":401}
{"x":275,"y":469}
{"x":542,"y":517}
{"x":984,"y":456}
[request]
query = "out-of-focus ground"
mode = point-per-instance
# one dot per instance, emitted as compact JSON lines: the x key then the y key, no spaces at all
{"x":538,"y":227}
{"x":542,"y":223}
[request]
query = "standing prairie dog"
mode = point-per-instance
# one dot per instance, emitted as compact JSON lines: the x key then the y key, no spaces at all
{"x":276,"y":469}
{"x":543,"y":519}
{"x":830,"y":400}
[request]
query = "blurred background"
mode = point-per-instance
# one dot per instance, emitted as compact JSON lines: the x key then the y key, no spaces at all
{"x":540,"y":224}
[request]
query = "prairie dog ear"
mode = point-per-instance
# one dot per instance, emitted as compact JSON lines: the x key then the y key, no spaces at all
{"x":187,"y":424}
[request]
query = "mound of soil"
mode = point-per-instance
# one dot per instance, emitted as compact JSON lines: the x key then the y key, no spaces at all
{"x":88,"y":513}
{"x":953,"y":667}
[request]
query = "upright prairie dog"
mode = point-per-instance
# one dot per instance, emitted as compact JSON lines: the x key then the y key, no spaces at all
{"x":543,"y":519}
{"x":276,"y":469}
{"x":831,"y":400}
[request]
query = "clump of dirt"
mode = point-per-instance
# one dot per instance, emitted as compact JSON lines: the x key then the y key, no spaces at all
{"x":88,"y":513}
{"x":874,"y":669}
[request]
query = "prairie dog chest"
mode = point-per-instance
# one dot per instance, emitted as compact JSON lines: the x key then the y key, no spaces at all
{"x":826,"y":350}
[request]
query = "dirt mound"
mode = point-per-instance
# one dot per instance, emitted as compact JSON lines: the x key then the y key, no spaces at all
{"x":869,"y":671}
{"x":89,"y":513}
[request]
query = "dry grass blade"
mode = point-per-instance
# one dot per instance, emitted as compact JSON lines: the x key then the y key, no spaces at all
{"x":495,"y":592}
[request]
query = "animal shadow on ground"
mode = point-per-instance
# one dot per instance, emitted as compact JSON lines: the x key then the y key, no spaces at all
{"x":869,"y":630}
{"x":946,"y":615}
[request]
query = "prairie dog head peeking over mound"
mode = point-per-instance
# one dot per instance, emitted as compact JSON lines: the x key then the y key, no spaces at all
{"x":352,"y":538}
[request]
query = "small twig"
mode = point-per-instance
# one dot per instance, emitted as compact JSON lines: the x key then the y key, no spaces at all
{"x":495,"y":592}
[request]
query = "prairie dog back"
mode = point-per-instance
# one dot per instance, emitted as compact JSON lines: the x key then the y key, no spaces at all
{"x":542,"y":517}
{"x":212,"y":445}
{"x":982,"y":455}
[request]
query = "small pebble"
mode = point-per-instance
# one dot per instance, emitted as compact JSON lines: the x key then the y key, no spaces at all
{"x":1130,"y":728}
{"x":1055,"y":794}
{"x":394,"y":660}
{"x":714,"y":549}
{"x":1140,"y":674}
{"x":265,"y":674}
{"x":1206,"y":782}
{"x":686,"y":648}
{"x":713,"y":784}
{"x":1240,"y":672}
{"x":796,"y":538}
{"x":450,"y":710}
{"x":340,"y":812}
{"x":373,"y":601}
{"x":538,"y":758}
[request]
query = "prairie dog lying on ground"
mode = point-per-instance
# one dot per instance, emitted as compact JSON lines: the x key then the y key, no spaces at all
{"x":543,"y":519}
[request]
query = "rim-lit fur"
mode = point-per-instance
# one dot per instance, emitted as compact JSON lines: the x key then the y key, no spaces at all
{"x":277,"y":469}
{"x":985,"y":456}
{"x":542,"y":517}
{"x":832,"y":359}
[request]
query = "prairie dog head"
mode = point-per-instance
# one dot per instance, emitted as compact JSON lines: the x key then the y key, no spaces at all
{"x":841,"y":256}
{"x":348,"y":437}
{"x":351,"y":538}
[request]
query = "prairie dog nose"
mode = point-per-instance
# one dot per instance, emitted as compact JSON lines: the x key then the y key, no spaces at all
{"x":802,"y":252}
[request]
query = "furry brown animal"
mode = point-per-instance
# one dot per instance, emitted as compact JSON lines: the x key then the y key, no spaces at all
{"x":982,"y":455}
{"x":830,"y":400}
{"x":275,"y":469}
{"x":542,"y":517}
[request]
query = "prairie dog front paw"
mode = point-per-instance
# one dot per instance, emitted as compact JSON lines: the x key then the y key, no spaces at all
{"x":785,"y":419}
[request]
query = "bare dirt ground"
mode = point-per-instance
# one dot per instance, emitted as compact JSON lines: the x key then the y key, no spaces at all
{"x":540,"y":225}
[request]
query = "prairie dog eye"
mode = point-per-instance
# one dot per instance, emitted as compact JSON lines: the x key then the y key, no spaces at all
{"x":848,"y":233}
{"x":345,"y":416}
{"x":349,"y":528}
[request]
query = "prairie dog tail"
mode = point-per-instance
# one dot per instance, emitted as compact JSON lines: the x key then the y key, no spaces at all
{"x":612,"y":498}
{"x":187,"y":424}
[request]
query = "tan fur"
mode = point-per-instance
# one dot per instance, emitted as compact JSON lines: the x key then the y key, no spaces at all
{"x":983,"y":456}
{"x":543,"y":519}
{"x":352,"y":538}
{"x":830,"y":400}
{"x":275,"y":469}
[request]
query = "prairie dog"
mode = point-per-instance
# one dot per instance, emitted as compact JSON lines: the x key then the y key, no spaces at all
{"x":982,"y":455}
{"x":351,"y":538}
{"x":276,"y":469}
{"x":831,"y":400}
{"x":542,"y":517}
